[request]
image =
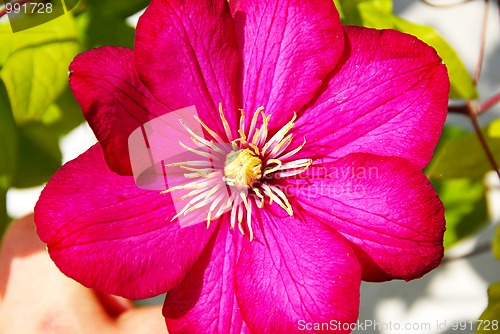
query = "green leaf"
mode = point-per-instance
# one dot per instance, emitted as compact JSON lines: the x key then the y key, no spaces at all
{"x":6,"y":43}
{"x":70,"y":4}
{"x":338,"y":5}
{"x":41,"y":124}
{"x":449,"y":132}
{"x":70,"y":112}
{"x":8,"y":154}
{"x":120,"y":9}
{"x":8,"y":141}
{"x":39,"y":155}
{"x":463,"y":157}
{"x":367,"y":13}
{"x":494,"y":129}
{"x":491,"y":316}
{"x":34,"y":16}
{"x":378,"y":14}
{"x":465,"y":208}
{"x":464,"y":200}
{"x":35,"y":72}
{"x":496,"y":243}
{"x":97,"y":30}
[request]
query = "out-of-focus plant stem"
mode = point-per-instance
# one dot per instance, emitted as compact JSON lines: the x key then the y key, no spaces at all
{"x":481,"y":249}
{"x":484,"y":29}
{"x":485,"y":106}
{"x":449,"y":4}
{"x":472,"y":110}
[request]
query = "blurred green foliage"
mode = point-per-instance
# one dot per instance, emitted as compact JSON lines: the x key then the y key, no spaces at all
{"x":36,"y":105}
{"x":494,"y":129}
{"x":463,"y":196}
{"x":8,"y":141}
{"x":465,"y":207}
{"x":35,"y":70}
{"x":8,"y":153}
{"x":496,"y":243}
{"x":491,"y":316}
{"x":70,"y":4}
{"x":463,"y":156}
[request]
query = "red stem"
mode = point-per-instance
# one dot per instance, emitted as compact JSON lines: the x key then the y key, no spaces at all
{"x":485,"y":106}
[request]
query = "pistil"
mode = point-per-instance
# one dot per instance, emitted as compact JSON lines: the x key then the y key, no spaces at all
{"x":242,"y":169}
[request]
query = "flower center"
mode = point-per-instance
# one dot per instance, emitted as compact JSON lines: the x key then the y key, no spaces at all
{"x":242,"y":168}
{"x":247,"y":166}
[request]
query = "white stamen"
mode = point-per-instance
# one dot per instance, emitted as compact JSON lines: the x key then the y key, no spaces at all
{"x":295,"y":151}
{"x":210,"y":131}
{"x":227,"y":129}
{"x":249,"y":167}
{"x":254,"y":121}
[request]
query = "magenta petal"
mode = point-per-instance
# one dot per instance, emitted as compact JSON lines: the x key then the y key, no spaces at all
{"x":186,"y":53}
{"x":296,"y":271}
{"x":113,"y":100}
{"x":108,"y":234}
{"x":205,"y":302}
{"x":388,"y":96}
{"x":384,"y":205}
{"x":288,"y":48}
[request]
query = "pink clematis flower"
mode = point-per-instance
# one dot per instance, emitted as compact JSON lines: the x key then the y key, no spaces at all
{"x":325,"y":193}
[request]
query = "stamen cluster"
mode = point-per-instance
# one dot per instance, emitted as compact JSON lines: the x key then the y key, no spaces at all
{"x":246,"y":167}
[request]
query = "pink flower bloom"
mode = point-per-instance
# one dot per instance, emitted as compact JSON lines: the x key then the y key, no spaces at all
{"x":340,"y":200}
